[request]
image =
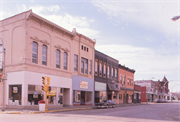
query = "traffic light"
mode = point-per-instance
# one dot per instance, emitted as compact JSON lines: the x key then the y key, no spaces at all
{"x":48,"y":81}
{"x":49,"y":88}
{"x":43,"y":80}
{"x":43,"y":88}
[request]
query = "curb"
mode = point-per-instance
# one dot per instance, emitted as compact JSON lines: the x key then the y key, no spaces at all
{"x":50,"y":111}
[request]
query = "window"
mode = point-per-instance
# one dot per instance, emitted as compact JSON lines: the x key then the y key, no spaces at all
{"x":87,"y":49}
{"x":128,"y":81}
{"x":100,"y":68}
{"x":57,"y":59}
{"x":65,"y":61}
{"x":115,"y":72}
{"x":75,"y":62}
{"x":82,"y":47}
{"x":34,"y":52}
{"x":112,"y":72}
{"x":84,"y":63}
{"x":96,"y":63}
{"x":124,"y":80}
{"x":108,"y":72}
{"x":120,"y":96}
{"x":44,"y":55}
{"x":115,"y":96}
{"x":132,"y":82}
{"x":90,"y":66}
{"x":104,"y":71}
{"x":121,"y":79}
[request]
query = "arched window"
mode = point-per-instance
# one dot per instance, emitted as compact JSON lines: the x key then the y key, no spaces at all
{"x":65,"y":60}
{"x":44,"y":55}
{"x":104,"y":71}
{"x":112,"y":72}
{"x":115,"y":72}
{"x":34,"y":52}
{"x":108,"y":72}
{"x":100,"y":68}
{"x":57,"y":59}
{"x":96,"y":66}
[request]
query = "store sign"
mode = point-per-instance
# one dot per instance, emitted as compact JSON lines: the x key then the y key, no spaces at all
{"x":83,"y":85}
{"x":15,"y":90}
{"x":35,"y":95}
{"x":117,"y":87}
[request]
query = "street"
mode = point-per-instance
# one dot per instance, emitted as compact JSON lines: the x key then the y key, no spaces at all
{"x":158,"y":112}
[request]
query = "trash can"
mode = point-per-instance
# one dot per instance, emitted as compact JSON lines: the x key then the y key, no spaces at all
{"x":41,"y":105}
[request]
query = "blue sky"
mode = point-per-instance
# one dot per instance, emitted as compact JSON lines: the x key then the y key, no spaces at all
{"x":138,"y":33}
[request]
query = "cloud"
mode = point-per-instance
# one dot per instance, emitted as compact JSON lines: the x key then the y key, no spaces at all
{"x":67,"y":21}
{"x":145,"y":61}
{"x":153,"y":15}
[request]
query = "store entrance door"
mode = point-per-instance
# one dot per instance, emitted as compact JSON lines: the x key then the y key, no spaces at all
{"x":82,"y":97}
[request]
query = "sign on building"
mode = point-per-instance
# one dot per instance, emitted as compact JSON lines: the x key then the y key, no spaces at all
{"x":83,"y":85}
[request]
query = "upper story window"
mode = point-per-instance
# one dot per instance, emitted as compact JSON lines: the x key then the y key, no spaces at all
{"x":90,"y":66}
{"x":112,"y":72}
{"x":116,"y":73}
{"x":34,"y":52}
{"x":44,"y":55}
{"x":132,"y":82}
{"x":65,"y":60}
{"x":84,"y":66}
{"x":124,"y":80}
{"x":108,"y":72}
{"x":121,"y":79}
{"x":75,"y":62}
{"x":104,"y":70}
{"x":100,"y":68}
{"x":57,"y":59}
{"x":96,"y":66}
{"x":128,"y":81}
{"x":82,"y":47}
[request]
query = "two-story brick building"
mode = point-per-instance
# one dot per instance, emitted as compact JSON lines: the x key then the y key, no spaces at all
{"x":126,"y":78}
{"x":36,"y":47}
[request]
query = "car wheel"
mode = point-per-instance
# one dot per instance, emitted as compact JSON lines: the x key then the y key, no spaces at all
{"x":113,"y":106}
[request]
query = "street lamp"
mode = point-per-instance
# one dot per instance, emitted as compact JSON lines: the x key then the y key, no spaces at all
{"x":3,"y":76}
{"x":175,"y":18}
{"x":172,"y":90}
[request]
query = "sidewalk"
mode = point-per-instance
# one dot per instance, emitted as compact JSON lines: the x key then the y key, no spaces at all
{"x":35,"y":109}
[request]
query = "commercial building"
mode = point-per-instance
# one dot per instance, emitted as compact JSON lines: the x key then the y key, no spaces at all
{"x":106,"y":78}
{"x":126,"y":78}
{"x":137,"y":94}
{"x":36,"y":47}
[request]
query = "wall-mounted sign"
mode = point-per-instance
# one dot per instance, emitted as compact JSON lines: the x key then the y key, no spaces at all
{"x":83,"y":85}
{"x":15,"y":90}
{"x":35,"y":95}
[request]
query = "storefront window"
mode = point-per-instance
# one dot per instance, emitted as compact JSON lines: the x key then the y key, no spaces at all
{"x":115,"y":96}
{"x":76,"y":96}
{"x":120,"y":96}
{"x":88,"y":97}
{"x":15,"y":94}
{"x":102,"y":95}
{"x":35,"y":93}
{"x":51,"y":96}
{"x":60,"y":95}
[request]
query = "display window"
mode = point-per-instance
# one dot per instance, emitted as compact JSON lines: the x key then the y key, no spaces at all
{"x":15,"y":95}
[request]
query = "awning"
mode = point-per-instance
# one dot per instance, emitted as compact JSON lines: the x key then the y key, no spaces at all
{"x":114,"y":87}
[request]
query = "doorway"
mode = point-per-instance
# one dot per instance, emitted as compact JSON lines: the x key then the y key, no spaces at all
{"x":82,"y":97}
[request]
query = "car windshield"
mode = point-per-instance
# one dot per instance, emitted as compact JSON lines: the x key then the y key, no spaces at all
{"x":103,"y":101}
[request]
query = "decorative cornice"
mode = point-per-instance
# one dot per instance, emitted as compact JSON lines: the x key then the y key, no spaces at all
{"x":60,"y":48}
{"x":35,"y":38}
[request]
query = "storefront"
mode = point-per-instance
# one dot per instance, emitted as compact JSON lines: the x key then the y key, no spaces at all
{"x":83,"y":91}
{"x":100,"y":92}
{"x":30,"y":91}
{"x":113,"y":92}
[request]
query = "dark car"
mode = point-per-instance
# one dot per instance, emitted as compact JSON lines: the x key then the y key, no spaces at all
{"x":105,"y":104}
{"x":159,"y":101}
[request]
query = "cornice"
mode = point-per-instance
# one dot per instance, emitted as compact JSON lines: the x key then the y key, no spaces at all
{"x":35,"y":38}
{"x":60,"y":48}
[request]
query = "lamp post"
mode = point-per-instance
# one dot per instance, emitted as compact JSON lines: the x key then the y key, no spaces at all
{"x":172,"y":90}
{"x":3,"y":76}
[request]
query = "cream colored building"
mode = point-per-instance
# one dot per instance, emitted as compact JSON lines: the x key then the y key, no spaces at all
{"x":36,"y":47}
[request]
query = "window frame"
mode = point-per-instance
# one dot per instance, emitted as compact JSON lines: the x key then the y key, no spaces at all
{"x":59,"y":58}
{"x":104,"y":70}
{"x":65,"y":61}
{"x":112,"y":72}
{"x":100,"y":68}
{"x":75,"y":62}
{"x":90,"y":67}
{"x":44,"y":55}
{"x":33,"y":52}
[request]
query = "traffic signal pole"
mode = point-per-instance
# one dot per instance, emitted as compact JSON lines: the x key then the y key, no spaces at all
{"x":46,"y":88}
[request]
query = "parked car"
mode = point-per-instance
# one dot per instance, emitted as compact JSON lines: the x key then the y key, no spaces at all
{"x":155,"y":100}
{"x":159,"y":101}
{"x":164,"y":100}
{"x":105,"y":104}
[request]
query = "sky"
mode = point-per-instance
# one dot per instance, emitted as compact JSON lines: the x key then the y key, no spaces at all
{"x":138,"y":33}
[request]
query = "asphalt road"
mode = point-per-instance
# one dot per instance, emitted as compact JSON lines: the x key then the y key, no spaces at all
{"x":160,"y":112}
